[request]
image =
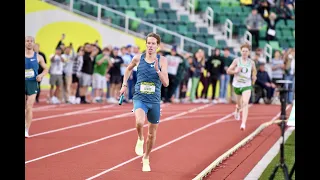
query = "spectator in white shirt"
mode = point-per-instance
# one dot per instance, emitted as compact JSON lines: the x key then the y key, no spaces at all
{"x":68,"y":56}
{"x":56,"y":71}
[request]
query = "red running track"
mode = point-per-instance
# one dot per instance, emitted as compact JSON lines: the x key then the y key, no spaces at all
{"x":72,"y":142}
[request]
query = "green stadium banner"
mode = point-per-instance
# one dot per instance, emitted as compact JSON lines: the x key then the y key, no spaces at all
{"x":291,"y":120}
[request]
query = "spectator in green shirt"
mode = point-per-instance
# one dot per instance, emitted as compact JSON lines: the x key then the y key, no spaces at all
{"x":101,"y":66}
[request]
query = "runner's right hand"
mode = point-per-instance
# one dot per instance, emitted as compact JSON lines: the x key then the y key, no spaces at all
{"x":238,"y":69}
{"x":123,"y":89}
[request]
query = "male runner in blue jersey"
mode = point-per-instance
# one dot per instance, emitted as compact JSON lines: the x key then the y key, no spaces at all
{"x":31,"y":63}
{"x":151,"y":74}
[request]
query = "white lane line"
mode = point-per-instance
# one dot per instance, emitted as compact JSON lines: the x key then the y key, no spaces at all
{"x":114,"y":135}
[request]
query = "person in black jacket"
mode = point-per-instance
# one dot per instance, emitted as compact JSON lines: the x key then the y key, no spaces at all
{"x":264,"y":81}
{"x":215,"y":68}
{"x":85,"y":79}
{"x":115,"y":75}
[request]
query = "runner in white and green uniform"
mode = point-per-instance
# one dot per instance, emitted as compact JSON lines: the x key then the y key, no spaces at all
{"x":242,"y":81}
{"x":244,"y":71}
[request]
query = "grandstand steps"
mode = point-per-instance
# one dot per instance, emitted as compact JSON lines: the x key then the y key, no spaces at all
{"x":179,"y":9}
{"x":199,"y":20}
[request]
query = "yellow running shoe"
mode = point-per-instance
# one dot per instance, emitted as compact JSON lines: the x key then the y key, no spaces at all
{"x":139,"y":147}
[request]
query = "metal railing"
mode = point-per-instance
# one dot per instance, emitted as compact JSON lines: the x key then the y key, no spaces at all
{"x":209,"y":17}
{"x":228,"y":29}
{"x":182,"y":40}
{"x":191,"y":8}
{"x":268,"y":52}
{"x":248,"y":38}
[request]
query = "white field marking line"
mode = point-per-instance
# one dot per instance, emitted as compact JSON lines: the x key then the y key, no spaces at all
{"x":44,"y":107}
{"x":117,"y":134}
{"x":214,"y":115}
{"x":171,"y":111}
{"x":56,"y":109}
{"x":47,"y":107}
{"x":164,"y":145}
{"x":85,"y":123}
{"x":72,"y":113}
{"x":97,"y":121}
{"x":43,"y":99}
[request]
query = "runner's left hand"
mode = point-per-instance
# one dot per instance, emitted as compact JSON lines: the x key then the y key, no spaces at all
{"x":39,"y":78}
{"x":156,"y":64}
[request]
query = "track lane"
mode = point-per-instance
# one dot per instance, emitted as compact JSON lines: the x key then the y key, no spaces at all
{"x":111,"y":151}
{"x":75,"y":136}
{"x":185,"y":158}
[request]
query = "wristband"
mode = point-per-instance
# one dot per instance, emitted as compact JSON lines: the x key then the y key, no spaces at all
{"x":124,"y":85}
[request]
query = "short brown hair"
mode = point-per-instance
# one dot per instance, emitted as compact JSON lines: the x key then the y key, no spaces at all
{"x":245,"y":45}
{"x":106,"y":49}
{"x":155,"y":36}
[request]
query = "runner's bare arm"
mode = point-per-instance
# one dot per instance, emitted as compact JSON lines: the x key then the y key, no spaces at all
{"x":135,"y":61}
{"x":163,"y":74}
{"x":43,"y":64}
{"x":232,"y":68}
{"x":254,"y":72}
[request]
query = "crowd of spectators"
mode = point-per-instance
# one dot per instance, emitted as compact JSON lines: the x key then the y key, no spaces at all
{"x":75,"y":70}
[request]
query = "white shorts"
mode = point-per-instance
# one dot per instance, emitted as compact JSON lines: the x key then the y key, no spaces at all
{"x":99,"y":81}
{"x":85,"y":79}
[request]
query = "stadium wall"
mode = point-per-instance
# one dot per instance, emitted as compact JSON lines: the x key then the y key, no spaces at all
{"x":47,"y":23}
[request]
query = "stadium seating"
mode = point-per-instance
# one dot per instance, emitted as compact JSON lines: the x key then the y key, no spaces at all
{"x":237,"y":13}
{"x":160,"y":14}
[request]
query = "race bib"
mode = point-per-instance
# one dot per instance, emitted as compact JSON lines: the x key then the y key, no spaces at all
{"x":241,"y":79}
{"x":147,"y":88}
{"x":29,"y":73}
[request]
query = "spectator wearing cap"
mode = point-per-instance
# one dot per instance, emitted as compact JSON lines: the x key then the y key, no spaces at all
{"x":127,"y":57}
{"x":115,"y":75}
{"x":56,"y":71}
{"x":254,"y":23}
{"x":173,"y":59}
{"x":264,"y":81}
